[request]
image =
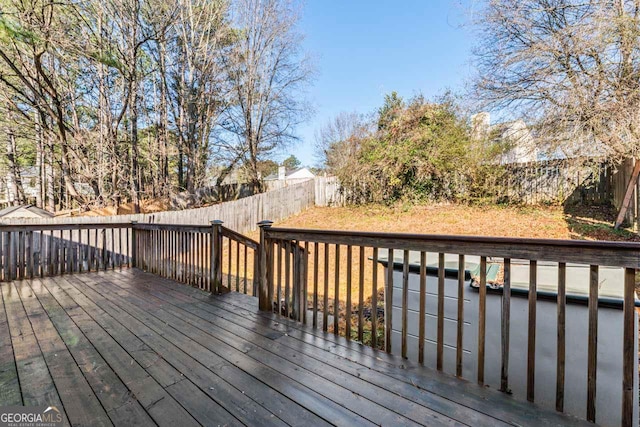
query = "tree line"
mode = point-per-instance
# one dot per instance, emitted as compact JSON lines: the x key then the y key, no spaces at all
{"x":114,"y":101}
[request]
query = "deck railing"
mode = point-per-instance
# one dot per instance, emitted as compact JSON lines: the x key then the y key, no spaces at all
{"x":28,"y":251}
{"x":345,"y":275}
{"x":213,"y":258}
{"x":359,"y":285}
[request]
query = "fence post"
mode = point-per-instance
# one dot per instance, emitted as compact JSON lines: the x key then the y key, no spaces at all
{"x":134,"y":245}
{"x":263,"y":284}
{"x":216,"y":254}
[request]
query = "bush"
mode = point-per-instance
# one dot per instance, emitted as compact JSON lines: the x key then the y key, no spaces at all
{"x":419,"y":151}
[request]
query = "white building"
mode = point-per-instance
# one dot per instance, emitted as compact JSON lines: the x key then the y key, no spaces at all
{"x":515,"y":134}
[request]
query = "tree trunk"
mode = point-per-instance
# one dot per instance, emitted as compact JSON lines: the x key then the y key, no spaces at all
{"x":628,"y":195}
{"x":39,"y":161}
{"x":50,"y":178}
{"x":14,"y":183}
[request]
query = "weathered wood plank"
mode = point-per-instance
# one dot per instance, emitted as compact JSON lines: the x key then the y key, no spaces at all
{"x":125,"y":354}
{"x":36,"y":384}
{"x":422,"y":310}
{"x":325,"y":301}
{"x":531,"y":332}
{"x":388,"y":302}
{"x":106,"y":385}
{"x":336,"y":295}
{"x":264,"y":349}
{"x":361,"y":261}
{"x":78,"y":399}
{"x":561,"y":309}
{"x":628,"y":351}
{"x":380,"y":364}
{"x":9,"y":385}
{"x":405,"y":302}
{"x":440,"y":332}
{"x":460,"y":316}
{"x":349,"y":291}
{"x":505,"y":327}
{"x":258,"y":381}
{"x":482,"y":318}
{"x":592,"y":344}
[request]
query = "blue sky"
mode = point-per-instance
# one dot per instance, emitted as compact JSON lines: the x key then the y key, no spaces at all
{"x":365,"y":49}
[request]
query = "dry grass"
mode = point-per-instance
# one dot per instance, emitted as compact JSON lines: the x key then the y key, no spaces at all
{"x":507,"y":221}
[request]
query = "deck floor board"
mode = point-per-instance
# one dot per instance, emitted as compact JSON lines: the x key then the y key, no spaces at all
{"x":125,"y":347}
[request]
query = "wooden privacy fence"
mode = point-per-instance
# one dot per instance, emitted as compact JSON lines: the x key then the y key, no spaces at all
{"x":28,"y":251}
{"x":240,"y":215}
{"x":554,"y":181}
{"x":333,"y":279}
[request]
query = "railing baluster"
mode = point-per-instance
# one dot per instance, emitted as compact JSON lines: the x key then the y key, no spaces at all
{"x":348,"y":302}
{"x":3,"y":254}
{"x":422,"y":310}
{"x":237,"y":266}
{"x":505,"y":322}
{"x":629,"y":355}
{"x":21,"y":251}
{"x":405,"y":301}
{"x":482,"y":317}
{"x":229,"y":264}
{"x":561,"y":308}
{"x":8,"y":259}
{"x":325,"y":311}
{"x":94,"y":248}
{"x":305,"y":283}
{"x":279,"y":276}
{"x":113,"y":248}
{"x":287,"y":277}
{"x":120,"y":251}
{"x":246,"y":262}
{"x":374,"y":300}
{"x":460,"y":317}
{"x":336,"y":298}
{"x":361,"y":259}
{"x":531,"y":346}
{"x":388,"y":302}
{"x":271,"y":247}
{"x":440,"y":346}
{"x":316,"y":267}
{"x":29,"y":254}
{"x":592,"y":346}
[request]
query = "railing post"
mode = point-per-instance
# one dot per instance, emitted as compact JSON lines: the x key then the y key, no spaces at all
{"x":263,"y":283}
{"x":134,"y":245}
{"x":216,"y":254}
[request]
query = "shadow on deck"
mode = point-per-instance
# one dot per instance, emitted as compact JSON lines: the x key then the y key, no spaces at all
{"x":130,"y":348}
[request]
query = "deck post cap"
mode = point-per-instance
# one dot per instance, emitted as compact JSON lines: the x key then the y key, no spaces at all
{"x":265,"y":223}
{"x":217,"y":222}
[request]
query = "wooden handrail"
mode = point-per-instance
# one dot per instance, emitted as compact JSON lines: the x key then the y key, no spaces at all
{"x":614,"y":254}
{"x":65,"y":227}
{"x":241,"y":238}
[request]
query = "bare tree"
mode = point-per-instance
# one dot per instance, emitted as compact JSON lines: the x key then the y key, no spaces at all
{"x":337,"y":142}
{"x":268,"y":73}
{"x":572,"y":67}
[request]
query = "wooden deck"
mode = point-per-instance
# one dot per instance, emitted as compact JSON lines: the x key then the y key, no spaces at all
{"x":130,"y":348}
